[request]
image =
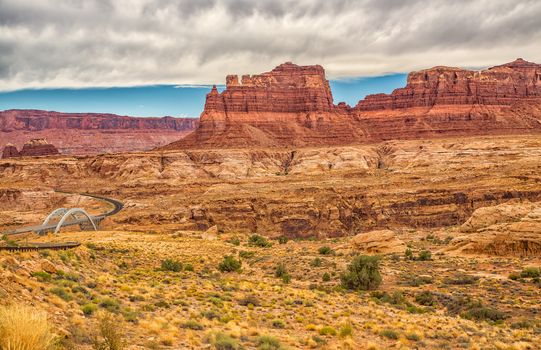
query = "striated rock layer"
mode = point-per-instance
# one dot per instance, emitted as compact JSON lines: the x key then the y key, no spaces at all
{"x":293,"y":106}
{"x":89,"y":133}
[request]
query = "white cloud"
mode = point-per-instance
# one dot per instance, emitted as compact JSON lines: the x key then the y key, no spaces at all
{"x":76,"y":43}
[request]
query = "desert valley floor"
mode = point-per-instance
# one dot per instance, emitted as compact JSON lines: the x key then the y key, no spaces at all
{"x":473,"y":203}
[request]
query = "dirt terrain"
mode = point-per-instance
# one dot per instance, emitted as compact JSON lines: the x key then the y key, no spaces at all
{"x":471,"y":202}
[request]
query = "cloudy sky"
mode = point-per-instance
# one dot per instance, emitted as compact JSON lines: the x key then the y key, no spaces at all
{"x":96,"y":43}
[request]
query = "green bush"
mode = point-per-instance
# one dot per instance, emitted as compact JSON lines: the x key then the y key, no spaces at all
{"x":259,"y":241}
{"x":230,"y":264}
{"x":109,"y":304}
{"x":326,"y":277}
{"x":193,"y":325}
{"x":171,"y":265}
{"x":234,"y":241}
{"x":425,"y":298}
{"x":389,"y":333}
{"x":362,"y":274}
{"x":346,"y":330}
{"x":89,"y":309}
{"x":188,"y":267}
{"x":425,"y":255}
{"x":316,"y":262}
{"x":325,"y":250}
{"x":283,"y":239}
{"x":266,"y":342}
{"x":281,"y":272}
{"x":249,"y":299}
{"x":327,"y":330}
{"x":42,"y":276}
{"x":62,"y":293}
{"x":246,"y":254}
{"x":222,"y":341}
{"x":530,"y":272}
{"x":483,"y":313}
{"x":409,"y":254}
{"x":278,"y":324}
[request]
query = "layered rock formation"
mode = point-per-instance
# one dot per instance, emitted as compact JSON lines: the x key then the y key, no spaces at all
{"x":512,"y":228}
{"x":10,"y":151}
{"x":32,"y":148}
{"x":293,"y":106}
{"x":89,"y":133}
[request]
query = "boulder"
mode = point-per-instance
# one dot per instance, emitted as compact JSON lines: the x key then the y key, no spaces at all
{"x":378,"y":242}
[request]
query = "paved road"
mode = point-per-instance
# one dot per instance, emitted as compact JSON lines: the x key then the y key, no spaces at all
{"x":96,"y":218}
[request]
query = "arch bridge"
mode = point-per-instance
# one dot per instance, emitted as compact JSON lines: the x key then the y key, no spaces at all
{"x":71,"y":217}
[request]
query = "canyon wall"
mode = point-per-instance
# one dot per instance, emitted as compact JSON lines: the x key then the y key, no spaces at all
{"x":90,"y":133}
{"x":293,"y":106}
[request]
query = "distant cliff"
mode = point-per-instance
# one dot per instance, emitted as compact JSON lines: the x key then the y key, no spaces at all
{"x":293,"y":106}
{"x":91,"y":133}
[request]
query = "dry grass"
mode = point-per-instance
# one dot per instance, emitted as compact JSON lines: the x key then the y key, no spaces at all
{"x":24,"y":328}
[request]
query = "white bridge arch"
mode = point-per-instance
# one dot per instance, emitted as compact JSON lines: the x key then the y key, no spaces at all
{"x":56,"y":213}
{"x":71,"y":213}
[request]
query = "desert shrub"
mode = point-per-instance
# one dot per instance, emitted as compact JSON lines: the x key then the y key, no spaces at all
{"x":278,"y":324}
{"x":515,"y":276}
{"x":412,"y":336}
{"x":530,"y":272}
{"x":326,"y":277}
{"x":192,"y":324}
{"x":425,"y":298}
{"x":408,"y":254}
{"x":171,"y":265}
{"x":362,"y":274}
{"x":188,"y":267}
{"x":230,"y":264}
{"x":266,"y":342}
{"x":61,"y":293}
{"x":89,"y":309}
{"x":483,"y":313}
{"x":210,"y":314}
{"x":389,"y":333}
{"x":109,"y":335}
{"x":327,"y":330}
{"x":425,"y":255}
{"x":234,"y":241}
{"x":283,"y":239}
{"x":461,"y":280}
{"x":281,"y":272}
{"x":42,"y":276}
{"x":249,"y":299}
{"x":316,"y":262}
{"x":396,"y":299}
{"x":246,"y":254}
{"x":259,"y":241}
{"x":325,"y":250}
{"x":110,"y":304}
{"x":416,"y":281}
{"x":346,"y":330}
{"x":24,"y":328}
{"x":222,"y":341}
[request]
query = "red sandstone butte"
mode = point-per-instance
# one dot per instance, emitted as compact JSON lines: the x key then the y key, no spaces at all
{"x":91,"y":133}
{"x":10,"y":151}
{"x":293,"y":106}
{"x":32,"y":148}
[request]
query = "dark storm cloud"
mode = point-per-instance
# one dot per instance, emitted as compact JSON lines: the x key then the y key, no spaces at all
{"x":46,"y":43}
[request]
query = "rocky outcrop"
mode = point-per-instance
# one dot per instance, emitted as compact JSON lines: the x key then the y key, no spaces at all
{"x":378,"y":242}
{"x":91,"y":133}
{"x":512,"y":228}
{"x":10,"y":151}
{"x":32,"y":148}
{"x":293,"y":106}
{"x":38,"y":148}
{"x":290,"y":105}
{"x":502,"y":85}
